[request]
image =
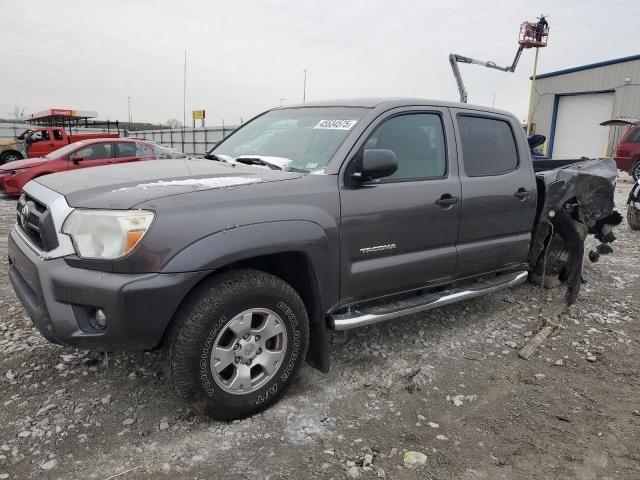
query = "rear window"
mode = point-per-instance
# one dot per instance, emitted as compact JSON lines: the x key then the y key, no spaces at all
{"x":488,"y":146}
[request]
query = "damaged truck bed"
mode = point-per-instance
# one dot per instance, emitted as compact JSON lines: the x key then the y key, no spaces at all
{"x":575,"y":200}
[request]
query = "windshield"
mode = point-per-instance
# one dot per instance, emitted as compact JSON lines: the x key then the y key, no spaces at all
{"x":308,"y":137}
{"x":24,"y":134}
{"x":61,"y":152}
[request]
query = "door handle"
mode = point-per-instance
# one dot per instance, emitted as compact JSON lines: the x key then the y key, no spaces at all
{"x":521,"y":194}
{"x":447,"y":200}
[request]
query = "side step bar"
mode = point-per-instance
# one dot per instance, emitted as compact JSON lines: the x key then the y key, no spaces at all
{"x":380,"y":313}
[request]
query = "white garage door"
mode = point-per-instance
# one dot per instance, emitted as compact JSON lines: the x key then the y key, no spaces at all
{"x":578,"y":133}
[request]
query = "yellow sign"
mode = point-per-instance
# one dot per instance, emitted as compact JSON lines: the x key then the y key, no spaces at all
{"x":198,"y":114}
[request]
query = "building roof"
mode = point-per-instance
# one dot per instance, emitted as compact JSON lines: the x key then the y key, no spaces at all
{"x":588,"y":66}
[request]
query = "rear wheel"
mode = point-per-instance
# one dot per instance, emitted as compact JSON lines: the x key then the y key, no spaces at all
{"x":633,"y":217}
{"x":11,"y":156}
{"x":237,"y":343}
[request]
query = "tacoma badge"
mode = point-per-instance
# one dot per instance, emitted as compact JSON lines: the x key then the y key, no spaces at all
{"x":378,"y":248}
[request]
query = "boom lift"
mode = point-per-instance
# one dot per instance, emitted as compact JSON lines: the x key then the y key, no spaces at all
{"x":532,"y":35}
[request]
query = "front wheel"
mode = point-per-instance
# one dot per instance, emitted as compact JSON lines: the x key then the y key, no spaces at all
{"x":633,"y":217}
{"x":7,"y":157}
{"x":635,"y":170}
{"x":237,"y":343}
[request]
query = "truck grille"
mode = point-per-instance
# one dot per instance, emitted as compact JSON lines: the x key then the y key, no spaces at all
{"x":35,"y":221}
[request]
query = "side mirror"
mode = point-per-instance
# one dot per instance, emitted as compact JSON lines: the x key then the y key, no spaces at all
{"x":376,"y":163}
{"x":77,"y":160}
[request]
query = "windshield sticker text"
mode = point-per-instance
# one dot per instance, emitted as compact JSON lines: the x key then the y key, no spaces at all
{"x":335,"y":124}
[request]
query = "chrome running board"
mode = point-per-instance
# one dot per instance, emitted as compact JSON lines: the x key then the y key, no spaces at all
{"x":388,"y":311}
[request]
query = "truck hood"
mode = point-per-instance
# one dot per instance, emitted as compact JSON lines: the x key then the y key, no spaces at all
{"x":127,"y":185}
{"x":18,"y":164}
{"x":8,"y":143}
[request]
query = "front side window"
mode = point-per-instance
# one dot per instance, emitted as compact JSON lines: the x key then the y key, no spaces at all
{"x":418,"y":142}
{"x":488,"y":146}
{"x":144,"y":150}
{"x":303,"y":139}
{"x":96,"y":151}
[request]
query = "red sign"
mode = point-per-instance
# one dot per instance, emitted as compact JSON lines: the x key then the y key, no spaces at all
{"x":66,"y":113}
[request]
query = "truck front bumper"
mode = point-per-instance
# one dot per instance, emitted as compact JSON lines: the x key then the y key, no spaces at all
{"x":63,"y":300}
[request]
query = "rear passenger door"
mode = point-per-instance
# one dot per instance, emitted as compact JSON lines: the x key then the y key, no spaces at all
{"x":397,"y":233}
{"x":498,"y":191}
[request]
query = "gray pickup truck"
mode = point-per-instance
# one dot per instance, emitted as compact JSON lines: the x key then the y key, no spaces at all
{"x":318,"y":217}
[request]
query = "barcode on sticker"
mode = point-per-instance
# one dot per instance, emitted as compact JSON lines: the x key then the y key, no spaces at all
{"x":335,"y":124}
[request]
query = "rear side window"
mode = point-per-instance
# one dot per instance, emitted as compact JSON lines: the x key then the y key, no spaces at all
{"x":488,"y":146}
{"x":57,"y":135}
{"x":634,"y":136}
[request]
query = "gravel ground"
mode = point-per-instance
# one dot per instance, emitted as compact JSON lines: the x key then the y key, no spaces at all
{"x":448,"y":384}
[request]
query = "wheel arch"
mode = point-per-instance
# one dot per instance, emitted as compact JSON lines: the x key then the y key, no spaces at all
{"x":296,"y":251}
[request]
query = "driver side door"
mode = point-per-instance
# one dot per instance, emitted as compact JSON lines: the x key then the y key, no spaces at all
{"x":397,"y":233}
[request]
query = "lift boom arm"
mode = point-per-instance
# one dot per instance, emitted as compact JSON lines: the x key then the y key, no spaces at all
{"x":454,"y":59}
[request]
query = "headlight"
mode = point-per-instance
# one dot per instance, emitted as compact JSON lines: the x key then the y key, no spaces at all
{"x":106,"y":234}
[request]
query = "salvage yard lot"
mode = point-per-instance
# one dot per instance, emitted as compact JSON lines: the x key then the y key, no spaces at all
{"x":448,"y":383}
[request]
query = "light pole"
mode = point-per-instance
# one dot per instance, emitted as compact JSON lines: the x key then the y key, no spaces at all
{"x":129,"y":110}
{"x":304,"y":87}
{"x":493,"y":102}
{"x":282,"y":100}
{"x":184,"y":92}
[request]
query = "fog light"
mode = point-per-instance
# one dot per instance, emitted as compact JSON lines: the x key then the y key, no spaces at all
{"x":101,"y":318}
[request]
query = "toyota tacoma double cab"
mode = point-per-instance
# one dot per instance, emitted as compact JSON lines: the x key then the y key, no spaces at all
{"x":348,"y":213}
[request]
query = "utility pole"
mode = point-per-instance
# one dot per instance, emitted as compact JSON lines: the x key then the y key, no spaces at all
{"x":184,"y":92}
{"x":533,"y":89}
{"x":282,"y":100}
{"x":304,"y":88}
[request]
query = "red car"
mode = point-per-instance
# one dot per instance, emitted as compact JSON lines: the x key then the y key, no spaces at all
{"x":628,"y":152}
{"x":82,"y":154}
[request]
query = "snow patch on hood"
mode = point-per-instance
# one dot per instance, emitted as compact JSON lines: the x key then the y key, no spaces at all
{"x":196,"y":183}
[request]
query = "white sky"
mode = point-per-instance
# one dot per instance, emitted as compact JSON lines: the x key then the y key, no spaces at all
{"x":243,"y":56}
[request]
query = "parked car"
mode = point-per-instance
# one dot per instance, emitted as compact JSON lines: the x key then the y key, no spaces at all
{"x":627,"y":153}
{"x":384,"y":208}
{"x":40,"y":141}
{"x":633,"y":207}
{"x":81,"y":154}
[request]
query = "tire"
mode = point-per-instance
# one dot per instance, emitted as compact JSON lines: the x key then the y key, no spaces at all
{"x":635,"y":170}
{"x":633,"y":217}
{"x":557,"y":257}
{"x":226,"y":312}
{"x":10,"y":156}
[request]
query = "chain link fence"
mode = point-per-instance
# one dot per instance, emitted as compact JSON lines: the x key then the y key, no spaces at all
{"x":192,"y":141}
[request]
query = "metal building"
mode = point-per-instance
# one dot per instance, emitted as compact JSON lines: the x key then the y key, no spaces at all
{"x":569,"y":105}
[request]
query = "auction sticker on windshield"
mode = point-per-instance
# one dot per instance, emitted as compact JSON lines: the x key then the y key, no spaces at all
{"x":335,"y":124}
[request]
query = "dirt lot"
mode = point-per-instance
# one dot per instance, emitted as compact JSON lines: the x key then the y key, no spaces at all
{"x":448,"y":384}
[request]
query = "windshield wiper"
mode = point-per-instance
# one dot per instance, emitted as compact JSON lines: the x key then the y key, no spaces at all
{"x":296,"y":170}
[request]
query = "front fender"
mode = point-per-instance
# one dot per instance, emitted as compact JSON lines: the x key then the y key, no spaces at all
{"x":249,"y":241}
